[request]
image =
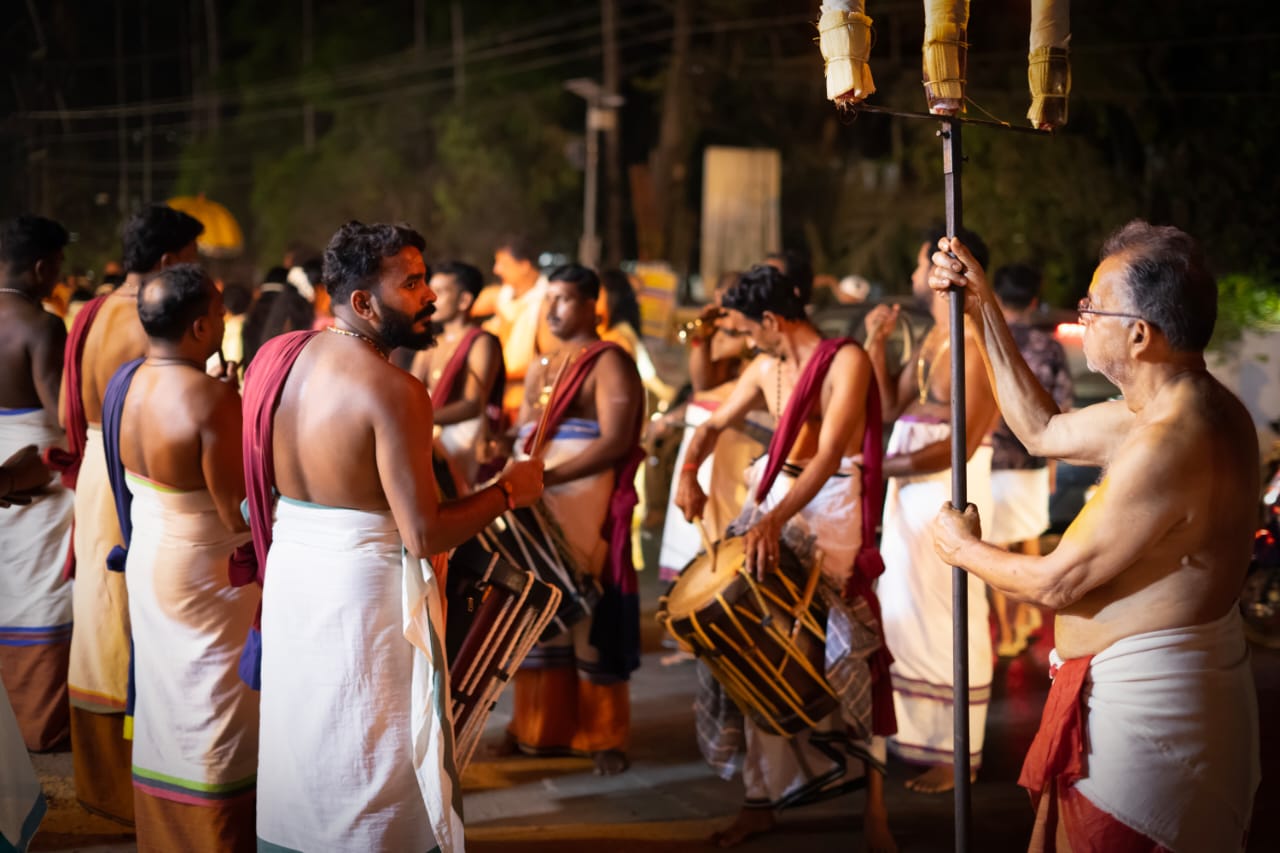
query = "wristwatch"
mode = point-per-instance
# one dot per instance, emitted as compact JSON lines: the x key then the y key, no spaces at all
{"x":508,"y":490}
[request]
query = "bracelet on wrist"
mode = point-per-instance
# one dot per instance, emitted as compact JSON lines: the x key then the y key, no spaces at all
{"x":508,"y":493}
{"x":689,"y":467}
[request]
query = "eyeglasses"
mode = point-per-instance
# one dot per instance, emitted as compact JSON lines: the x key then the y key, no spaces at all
{"x":1084,"y":307}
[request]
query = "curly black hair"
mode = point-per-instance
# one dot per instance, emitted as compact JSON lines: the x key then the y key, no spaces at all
{"x":765,"y":289}
{"x":155,"y":232}
{"x":353,"y":258}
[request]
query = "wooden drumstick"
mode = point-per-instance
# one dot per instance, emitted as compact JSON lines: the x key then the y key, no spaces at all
{"x":707,"y":544}
{"x":810,"y":587}
{"x":540,"y":431}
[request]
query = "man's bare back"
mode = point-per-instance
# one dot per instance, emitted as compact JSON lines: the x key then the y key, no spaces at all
{"x":337,"y":394}
{"x":116,"y":337}
{"x":165,"y":427}
{"x":31,"y":345}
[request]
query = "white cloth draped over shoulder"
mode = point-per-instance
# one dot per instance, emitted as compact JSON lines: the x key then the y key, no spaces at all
{"x":356,"y":740}
{"x":1171,"y":740}
{"x":915,"y":602}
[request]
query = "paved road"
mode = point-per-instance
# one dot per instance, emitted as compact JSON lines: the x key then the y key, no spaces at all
{"x":670,"y":802}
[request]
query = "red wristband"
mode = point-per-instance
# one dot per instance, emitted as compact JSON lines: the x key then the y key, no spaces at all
{"x":689,"y":466}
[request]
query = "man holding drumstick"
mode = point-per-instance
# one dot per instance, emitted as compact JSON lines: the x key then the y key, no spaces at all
{"x":821,"y":472}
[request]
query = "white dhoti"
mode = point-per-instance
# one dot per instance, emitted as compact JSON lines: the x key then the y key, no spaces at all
{"x":356,"y":746}
{"x":195,"y":730}
{"x":1171,"y":739}
{"x":35,"y":602}
{"x":1020,"y":505}
{"x":22,"y":804}
{"x":99,"y":669}
{"x":782,"y":771}
{"x":720,"y":476}
{"x":915,"y":602}
{"x":461,"y":441}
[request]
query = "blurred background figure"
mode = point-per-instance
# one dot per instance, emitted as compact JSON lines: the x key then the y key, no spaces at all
{"x":1021,"y":483}
{"x":236,"y":299}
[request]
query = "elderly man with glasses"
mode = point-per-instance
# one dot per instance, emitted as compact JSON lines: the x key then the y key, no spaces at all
{"x":1150,"y":733}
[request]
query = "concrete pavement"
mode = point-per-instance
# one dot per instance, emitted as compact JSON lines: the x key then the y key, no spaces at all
{"x":669,"y":801}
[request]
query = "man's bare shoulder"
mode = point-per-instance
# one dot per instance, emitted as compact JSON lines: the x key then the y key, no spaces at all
{"x":616,"y":363}
{"x":848,"y":361}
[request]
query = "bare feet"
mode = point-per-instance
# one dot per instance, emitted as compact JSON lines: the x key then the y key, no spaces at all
{"x":610,"y":762}
{"x":748,"y":824}
{"x":936,"y":780}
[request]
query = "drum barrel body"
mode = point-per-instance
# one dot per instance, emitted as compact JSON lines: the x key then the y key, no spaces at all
{"x":747,"y":634}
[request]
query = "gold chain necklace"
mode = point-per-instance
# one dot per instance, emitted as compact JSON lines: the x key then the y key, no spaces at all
{"x":368,"y":340}
{"x":27,"y":296}
{"x":777,"y":393}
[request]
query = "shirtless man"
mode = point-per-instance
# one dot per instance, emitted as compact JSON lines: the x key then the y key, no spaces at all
{"x":464,"y":371}
{"x":572,"y":692}
{"x":108,"y":333}
{"x":823,"y":500}
{"x":35,"y":599}
{"x":177,"y":465}
{"x":347,"y":755}
{"x":915,"y":591}
{"x":1153,"y":713}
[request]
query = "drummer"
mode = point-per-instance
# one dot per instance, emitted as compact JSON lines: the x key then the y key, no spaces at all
{"x":586,"y":402}
{"x":804,"y":490}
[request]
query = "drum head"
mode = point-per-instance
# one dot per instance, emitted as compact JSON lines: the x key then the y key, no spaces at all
{"x":701,"y":581}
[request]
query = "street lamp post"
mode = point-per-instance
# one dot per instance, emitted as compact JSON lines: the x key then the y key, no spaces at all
{"x":602,"y":114}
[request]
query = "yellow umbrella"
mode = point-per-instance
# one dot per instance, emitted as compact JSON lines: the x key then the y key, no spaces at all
{"x":222,"y":237}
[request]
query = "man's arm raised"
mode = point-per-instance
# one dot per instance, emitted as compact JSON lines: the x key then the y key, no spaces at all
{"x":1137,"y":505}
{"x":979,"y":411}
{"x":744,"y":397}
{"x":426,"y":525}
{"x":1089,"y":435}
{"x":844,"y":417}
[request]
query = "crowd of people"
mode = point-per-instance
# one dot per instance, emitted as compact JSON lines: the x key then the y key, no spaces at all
{"x":230,"y":600}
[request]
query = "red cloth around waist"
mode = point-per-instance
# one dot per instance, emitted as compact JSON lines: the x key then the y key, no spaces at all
{"x":1057,"y":753}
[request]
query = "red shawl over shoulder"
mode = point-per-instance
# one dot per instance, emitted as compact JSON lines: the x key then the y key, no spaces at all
{"x":68,"y":462}
{"x":263,"y":384}
{"x":615,"y":627}
{"x":867,"y":565}
{"x":447,"y":384}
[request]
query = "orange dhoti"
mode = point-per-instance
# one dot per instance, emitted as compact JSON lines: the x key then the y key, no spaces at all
{"x":560,"y":708}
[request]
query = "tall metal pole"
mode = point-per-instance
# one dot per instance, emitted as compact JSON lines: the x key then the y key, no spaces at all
{"x":951,"y":160}
{"x":589,"y":248}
